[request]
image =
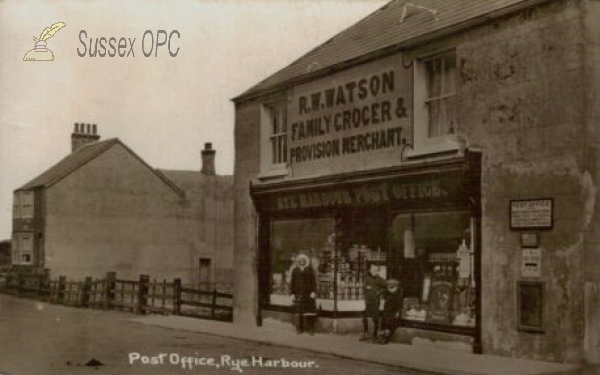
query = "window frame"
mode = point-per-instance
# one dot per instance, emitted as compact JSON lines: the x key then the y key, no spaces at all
{"x":27,"y":204}
{"x":423,"y":143}
{"x":272,"y":165}
{"x":19,"y":250}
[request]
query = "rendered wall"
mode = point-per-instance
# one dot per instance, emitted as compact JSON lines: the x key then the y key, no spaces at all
{"x":114,"y":214}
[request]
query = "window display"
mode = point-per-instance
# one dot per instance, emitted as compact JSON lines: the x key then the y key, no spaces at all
{"x":431,"y":254}
{"x":435,"y":263}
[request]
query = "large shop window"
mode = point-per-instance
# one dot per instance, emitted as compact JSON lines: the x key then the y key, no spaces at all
{"x":434,"y":262}
{"x":289,"y":238}
{"x":340,"y":258}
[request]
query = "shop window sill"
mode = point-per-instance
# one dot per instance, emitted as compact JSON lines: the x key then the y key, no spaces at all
{"x":444,"y":146}
{"x":273,"y":172}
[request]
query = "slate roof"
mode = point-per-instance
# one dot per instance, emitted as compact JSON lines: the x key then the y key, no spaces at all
{"x":383,"y":30}
{"x":82,"y":156}
{"x":193,"y":182}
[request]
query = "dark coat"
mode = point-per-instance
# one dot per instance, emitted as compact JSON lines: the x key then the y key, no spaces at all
{"x":373,"y":288}
{"x":304,"y":282}
{"x":392,"y":303}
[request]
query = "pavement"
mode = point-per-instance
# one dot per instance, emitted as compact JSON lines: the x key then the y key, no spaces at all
{"x":416,"y":357}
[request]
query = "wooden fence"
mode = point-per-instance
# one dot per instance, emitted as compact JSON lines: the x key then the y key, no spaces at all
{"x":142,"y":296}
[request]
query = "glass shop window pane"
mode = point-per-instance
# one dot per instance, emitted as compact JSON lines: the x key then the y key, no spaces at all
{"x":435,"y":264}
{"x":316,"y":238}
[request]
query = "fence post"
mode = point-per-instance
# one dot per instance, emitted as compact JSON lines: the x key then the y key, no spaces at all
{"x":40,"y":284}
{"x":87,"y":286}
{"x":177,"y":297}
{"x":213,"y":305}
{"x":45,"y":282}
{"x":143,"y":294}
{"x":111,"y":278}
{"x":20,"y":281}
{"x":62,"y":283}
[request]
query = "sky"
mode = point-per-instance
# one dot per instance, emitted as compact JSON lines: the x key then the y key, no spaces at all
{"x":164,"y":108}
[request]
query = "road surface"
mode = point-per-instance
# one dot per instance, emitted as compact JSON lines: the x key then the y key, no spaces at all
{"x":40,"y":338}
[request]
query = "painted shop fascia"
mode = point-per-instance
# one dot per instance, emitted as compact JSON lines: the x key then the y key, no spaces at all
{"x":479,"y":214}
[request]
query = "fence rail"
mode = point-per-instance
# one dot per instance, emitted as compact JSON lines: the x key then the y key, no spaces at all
{"x":142,"y":296}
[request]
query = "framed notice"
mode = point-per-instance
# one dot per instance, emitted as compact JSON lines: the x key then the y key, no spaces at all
{"x":530,"y":306}
{"x":532,"y":214}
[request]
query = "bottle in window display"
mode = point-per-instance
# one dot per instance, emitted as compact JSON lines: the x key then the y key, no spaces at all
{"x":303,"y":289}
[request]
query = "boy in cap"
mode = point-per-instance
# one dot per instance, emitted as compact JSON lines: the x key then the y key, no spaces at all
{"x":303,"y":289}
{"x":373,"y":288}
{"x":392,"y":306}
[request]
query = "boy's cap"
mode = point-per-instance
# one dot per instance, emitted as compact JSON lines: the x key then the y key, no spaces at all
{"x":392,"y":282}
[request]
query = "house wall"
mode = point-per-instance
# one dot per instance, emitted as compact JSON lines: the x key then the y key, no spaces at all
{"x":522,"y":104}
{"x":590,"y":14}
{"x":114,"y":214}
{"x":247,"y":167}
{"x":216,"y":223}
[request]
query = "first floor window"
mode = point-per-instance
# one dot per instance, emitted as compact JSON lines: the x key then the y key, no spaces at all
{"x":23,"y":204}
{"x":274,"y":146}
{"x":435,"y":103}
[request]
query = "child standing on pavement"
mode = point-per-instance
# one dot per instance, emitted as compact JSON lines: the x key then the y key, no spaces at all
{"x":392,"y":306}
{"x":373,"y":288}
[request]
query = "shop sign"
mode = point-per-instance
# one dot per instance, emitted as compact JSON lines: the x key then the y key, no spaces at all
{"x":353,"y":119}
{"x":433,"y":189}
{"x":531,"y":214}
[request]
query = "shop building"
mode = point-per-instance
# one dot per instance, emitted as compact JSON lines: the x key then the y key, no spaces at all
{"x":102,"y":209}
{"x":452,"y":143}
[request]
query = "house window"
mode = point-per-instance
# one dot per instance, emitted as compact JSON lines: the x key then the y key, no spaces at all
{"x":26,"y":249}
{"x":17,"y":206}
{"x":23,"y":205}
{"x":22,"y":249}
{"x":27,"y":204}
{"x":274,"y":138}
{"x":435,"y":103}
{"x":277,"y":137}
{"x":440,"y":73}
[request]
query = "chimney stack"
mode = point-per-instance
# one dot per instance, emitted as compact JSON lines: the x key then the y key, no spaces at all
{"x":208,"y":160}
{"x":83,"y":134}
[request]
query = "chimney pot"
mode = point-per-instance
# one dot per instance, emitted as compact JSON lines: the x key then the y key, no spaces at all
{"x":83,"y":134}
{"x":208,"y":160}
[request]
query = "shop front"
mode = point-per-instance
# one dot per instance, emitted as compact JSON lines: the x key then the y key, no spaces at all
{"x":418,"y":222}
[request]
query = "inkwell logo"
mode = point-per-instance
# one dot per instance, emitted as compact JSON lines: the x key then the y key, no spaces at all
{"x":40,"y":52}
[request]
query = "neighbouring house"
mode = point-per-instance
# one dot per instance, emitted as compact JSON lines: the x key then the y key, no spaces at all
{"x":5,"y":254}
{"x":455,"y":145}
{"x":103,"y":208}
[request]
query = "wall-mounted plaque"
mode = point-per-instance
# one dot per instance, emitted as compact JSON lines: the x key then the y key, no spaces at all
{"x":531,"y":262}
{"x":530,"y":306}
{"x":532,"y":214}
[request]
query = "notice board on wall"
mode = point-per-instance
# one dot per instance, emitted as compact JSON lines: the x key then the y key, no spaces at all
{"x":532,"y":214}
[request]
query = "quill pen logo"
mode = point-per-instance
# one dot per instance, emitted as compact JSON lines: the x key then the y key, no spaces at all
{"x":40,"y":52}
